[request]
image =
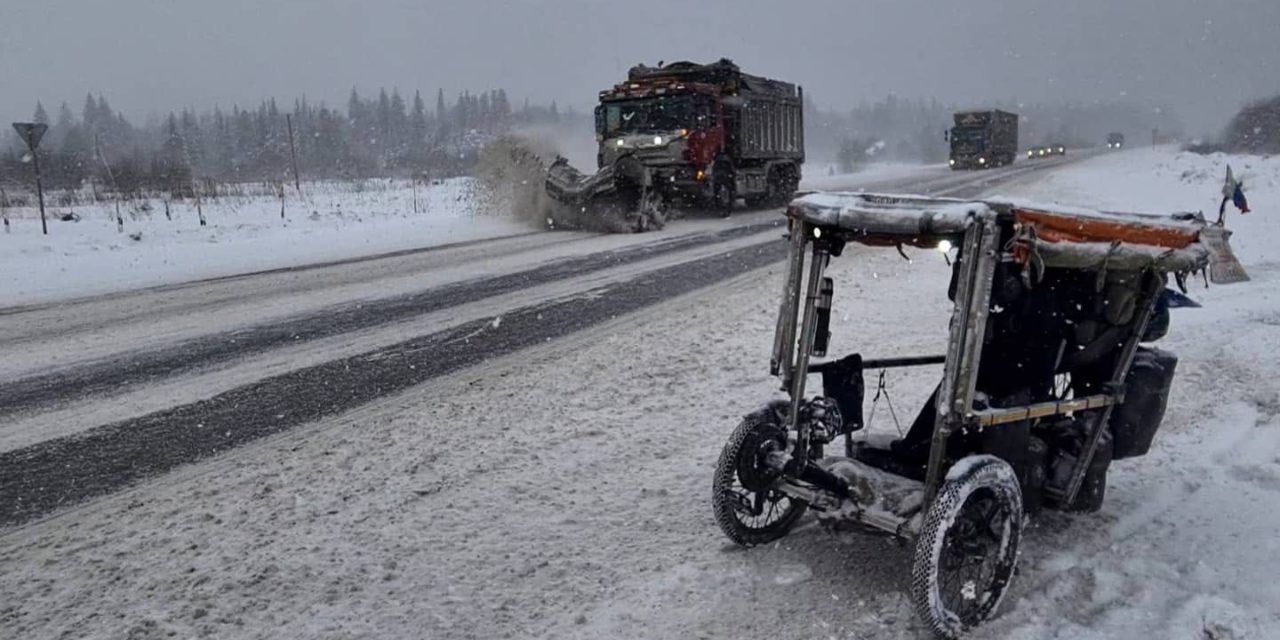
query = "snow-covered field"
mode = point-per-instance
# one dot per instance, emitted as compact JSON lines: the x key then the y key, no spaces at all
{"x":329,"y":221}
{"x":564,"y":492}
{"x":245,"y":233}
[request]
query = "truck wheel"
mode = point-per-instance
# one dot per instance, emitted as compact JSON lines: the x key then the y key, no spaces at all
{"x":770,"y":195}
{"x":968,"y":548}
{"x":784,"y":185}
{"x":722,"y":189}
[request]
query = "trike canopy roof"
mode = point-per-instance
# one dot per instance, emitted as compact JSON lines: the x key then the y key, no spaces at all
{"x":1067,"y":237}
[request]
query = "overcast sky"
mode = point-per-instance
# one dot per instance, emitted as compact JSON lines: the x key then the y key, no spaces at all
{"x":1203,"y":57}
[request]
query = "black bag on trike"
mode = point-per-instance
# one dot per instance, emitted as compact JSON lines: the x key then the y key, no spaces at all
{"x":1045,"y":381}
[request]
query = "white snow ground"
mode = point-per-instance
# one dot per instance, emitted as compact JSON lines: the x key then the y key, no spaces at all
{"x":564,"y":493}
{"x":330,"y":221}
{"x":244,"y":233}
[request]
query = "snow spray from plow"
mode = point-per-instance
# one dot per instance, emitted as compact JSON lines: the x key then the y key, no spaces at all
{"x":668,"y":137}
{"x":534,"y":183}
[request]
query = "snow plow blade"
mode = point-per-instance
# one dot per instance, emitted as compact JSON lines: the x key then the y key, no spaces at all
{"x":618,"y":198}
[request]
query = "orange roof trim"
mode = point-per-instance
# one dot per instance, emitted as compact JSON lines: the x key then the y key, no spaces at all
{"x":1053,"y":227}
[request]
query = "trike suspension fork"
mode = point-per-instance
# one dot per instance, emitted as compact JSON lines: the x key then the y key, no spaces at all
{"x":808,"y":331}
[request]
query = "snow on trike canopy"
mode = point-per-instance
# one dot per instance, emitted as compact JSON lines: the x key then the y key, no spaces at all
{"x":1054,"y":236}
{"x":1048,"y":375}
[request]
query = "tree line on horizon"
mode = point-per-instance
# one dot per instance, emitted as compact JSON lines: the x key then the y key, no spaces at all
{"x":390,"y":135}
{"x":383,"y":135}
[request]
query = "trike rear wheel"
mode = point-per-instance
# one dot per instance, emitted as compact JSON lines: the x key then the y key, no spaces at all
{"x":968,"y":547}
{"x":748,"y":512}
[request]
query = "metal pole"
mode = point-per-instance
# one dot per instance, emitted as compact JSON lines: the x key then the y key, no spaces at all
{"x":97,"y":143}
{"x":4,"y":208}
{"x":35,"y":160}
{"x":783,"y":360}
{"x":964,"y":347}
{"x":293,"y":155}
{"x":808,"y":329}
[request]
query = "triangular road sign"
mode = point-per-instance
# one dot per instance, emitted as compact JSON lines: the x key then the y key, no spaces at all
{"x":31,"y":132}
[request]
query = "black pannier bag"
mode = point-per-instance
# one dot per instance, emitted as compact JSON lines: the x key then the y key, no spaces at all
{"x":842,"y":381}
{"x":1134,"y":423}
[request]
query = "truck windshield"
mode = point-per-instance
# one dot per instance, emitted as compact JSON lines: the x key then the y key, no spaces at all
{"x":649,"y":115}
{"x":965,"y":139}
{"x":969,"y":135}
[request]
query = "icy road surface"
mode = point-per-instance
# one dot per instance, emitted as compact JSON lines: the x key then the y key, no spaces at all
{"x":561,"y":490}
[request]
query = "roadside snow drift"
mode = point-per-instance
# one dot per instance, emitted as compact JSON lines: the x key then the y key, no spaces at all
{"x":329,"y":221}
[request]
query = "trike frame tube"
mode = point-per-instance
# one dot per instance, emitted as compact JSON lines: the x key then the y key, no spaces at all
{"x":808,"y":330}
{"x":964,"y":347}
{"x":784,"y":337}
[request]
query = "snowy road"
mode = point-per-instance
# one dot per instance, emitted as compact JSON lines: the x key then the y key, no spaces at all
{"x":509,"y":439}
{"x":132,"y":385}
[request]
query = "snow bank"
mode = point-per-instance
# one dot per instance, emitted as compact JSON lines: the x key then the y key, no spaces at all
{"x":330,"y":221}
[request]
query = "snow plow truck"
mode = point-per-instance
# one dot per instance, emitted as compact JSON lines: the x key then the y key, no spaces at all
{"x":686,"y":135}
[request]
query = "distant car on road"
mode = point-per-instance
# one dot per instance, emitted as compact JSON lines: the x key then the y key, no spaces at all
{"x":1115,"y":140}
{"x":1058,"y":149}
{"x":1044,"y":151}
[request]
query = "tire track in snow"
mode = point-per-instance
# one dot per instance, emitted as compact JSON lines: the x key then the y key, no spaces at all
{"x":111,"y":376}
{"x":41,"y":478}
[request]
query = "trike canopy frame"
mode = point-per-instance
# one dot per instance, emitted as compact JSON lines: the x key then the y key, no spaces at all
{"x":1028,"y":237}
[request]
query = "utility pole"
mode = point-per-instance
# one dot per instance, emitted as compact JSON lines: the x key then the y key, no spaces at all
{"x":4,"y":208}
{"x":293,"y":154}
{"x":97,"y":145}
{"x":31,"y":133}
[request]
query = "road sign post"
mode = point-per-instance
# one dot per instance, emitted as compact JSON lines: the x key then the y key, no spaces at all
{"x":31,"y":133}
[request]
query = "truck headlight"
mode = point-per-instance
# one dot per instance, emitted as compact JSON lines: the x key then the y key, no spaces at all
{"x":620,"y":142}
{"x":982,"y":160}
{"x":657,"y":140}
{"x":952,"y":162}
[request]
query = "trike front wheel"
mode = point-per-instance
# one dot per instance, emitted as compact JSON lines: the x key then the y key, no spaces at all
{"x":747,"y":510}
{"x":968,"y":546}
